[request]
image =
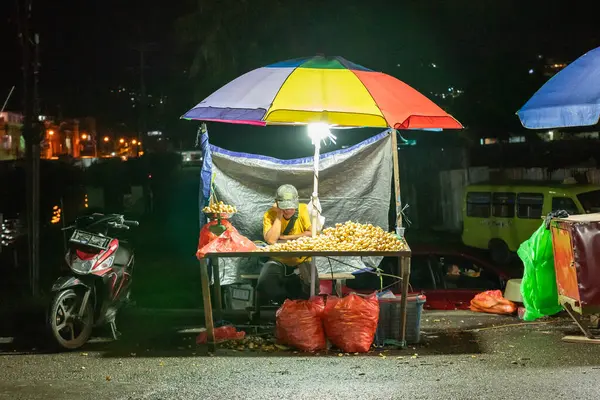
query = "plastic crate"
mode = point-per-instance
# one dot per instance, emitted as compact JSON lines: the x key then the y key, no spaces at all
{"x":238,"y":296}
{"x":388,"y":328}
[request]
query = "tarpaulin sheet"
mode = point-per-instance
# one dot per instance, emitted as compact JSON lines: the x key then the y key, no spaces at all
{"x":354,"y":184}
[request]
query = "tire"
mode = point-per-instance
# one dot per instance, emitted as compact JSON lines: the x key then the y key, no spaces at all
{"x":67,"y":331}
{"x":499,"y":252}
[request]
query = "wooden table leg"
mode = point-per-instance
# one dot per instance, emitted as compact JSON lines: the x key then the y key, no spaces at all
{"x":405,"y":274}
{"x":217,"y":288}
{"x":313,"y":276}
{"x":210,"y":327}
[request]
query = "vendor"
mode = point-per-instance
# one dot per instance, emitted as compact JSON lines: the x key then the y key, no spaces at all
{"x":283,"y":278}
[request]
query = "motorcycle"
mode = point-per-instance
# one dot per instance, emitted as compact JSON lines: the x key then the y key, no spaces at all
{"x":99,"y":284}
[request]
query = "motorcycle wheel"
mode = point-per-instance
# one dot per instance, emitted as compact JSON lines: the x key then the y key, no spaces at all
{"x":68,"y":330}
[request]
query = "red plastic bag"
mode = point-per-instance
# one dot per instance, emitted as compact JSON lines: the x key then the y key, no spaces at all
{"x":206,"y":236}
{"x":230,"y":241}
{"x":351,"y":322}
{"x":222,"y":334}
{"x":492,"y":302}
{"x":299,"y":324}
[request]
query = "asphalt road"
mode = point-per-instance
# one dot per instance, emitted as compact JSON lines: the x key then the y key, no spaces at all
{"x":464,"y":356}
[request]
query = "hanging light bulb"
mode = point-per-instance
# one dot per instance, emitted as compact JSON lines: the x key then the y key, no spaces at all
{"x":318,"y":132}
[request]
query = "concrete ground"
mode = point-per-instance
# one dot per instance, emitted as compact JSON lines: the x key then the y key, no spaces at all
{"x":463,"y":355}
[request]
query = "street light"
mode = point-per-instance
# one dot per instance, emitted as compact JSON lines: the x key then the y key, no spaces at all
{"x":84,"y":136}
{"x":106,"y":138}
{"x":134,"y":141}
{"x":121,"y":140}
{"x":51,"y":132}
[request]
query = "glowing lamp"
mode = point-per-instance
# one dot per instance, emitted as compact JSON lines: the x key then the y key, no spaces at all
{"x":318,"y":132}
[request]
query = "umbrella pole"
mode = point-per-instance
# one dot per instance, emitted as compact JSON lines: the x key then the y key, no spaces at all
{"x":314,"y":217}
{"x":396,"y":180}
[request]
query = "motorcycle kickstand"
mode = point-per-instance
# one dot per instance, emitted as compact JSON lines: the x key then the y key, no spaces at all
{"x":115,"y":333}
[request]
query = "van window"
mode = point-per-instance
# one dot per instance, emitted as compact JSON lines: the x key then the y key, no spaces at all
{"x":503,"y":205}
{"x":590,"y":201}
{"x":564,"y":203}
{"x":529,"y":205}
{"x":478,"y":204}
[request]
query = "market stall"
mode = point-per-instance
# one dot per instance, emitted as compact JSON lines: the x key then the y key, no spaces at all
{"x":325,"y":93}
{"x":355,"y":184}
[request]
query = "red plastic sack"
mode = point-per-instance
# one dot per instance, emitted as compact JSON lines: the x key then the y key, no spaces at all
{"x":222,"y":334}
{"x":299,"y":324}
{"x":206,"y":236}
{"x":230,"y":241}
{"x":492,"y":302}
{"x":351,"y":322}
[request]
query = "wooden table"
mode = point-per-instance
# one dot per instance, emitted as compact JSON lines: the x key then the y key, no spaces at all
{"x":403,"y":271}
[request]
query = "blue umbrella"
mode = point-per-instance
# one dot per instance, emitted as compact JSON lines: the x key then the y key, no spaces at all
{"x":570,"y":98}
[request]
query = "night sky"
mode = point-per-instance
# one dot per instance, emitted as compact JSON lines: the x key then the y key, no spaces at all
{"x":484,"y":47}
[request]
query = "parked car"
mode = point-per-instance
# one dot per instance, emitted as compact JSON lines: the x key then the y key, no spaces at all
{"x":448,"y":276}
{"x":451,"y":277}
{"x":191,"y":158}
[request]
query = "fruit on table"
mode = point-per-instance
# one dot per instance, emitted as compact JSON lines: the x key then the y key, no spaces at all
{"x":219,"y":208}
{"x":350,"y":236}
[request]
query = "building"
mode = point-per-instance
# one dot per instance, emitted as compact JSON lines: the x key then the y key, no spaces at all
{"x":75,"y":137}
{"x":12,"y":145}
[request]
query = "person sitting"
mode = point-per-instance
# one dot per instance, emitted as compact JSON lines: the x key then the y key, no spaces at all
{"x":289,"y":277}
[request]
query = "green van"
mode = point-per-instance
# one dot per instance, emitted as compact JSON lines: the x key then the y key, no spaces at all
{"x":499,"y":217}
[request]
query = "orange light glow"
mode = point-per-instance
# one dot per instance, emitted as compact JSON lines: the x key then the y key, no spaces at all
{"x":134,"y":141}
{"x":84,"y":136}
{"x":121,"y":140}
{"x":106,"y":138}
{"x":50,"y":132}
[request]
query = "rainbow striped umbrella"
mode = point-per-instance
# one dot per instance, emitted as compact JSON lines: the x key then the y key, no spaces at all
{"x":328,"y":90}
{"x":321,"y":92}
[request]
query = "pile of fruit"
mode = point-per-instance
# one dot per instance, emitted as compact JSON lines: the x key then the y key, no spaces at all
{"x":219,"y":208}
{"x":350,"y":236}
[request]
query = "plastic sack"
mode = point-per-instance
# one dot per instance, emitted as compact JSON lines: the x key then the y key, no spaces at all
{"x":222,"y":334}
{"x":492,"y":302}
{"x":320,"y":217}
{"x":299,"y":324}
{"x":351,"y":322}
{"x":538,"y":287}
{"x":206,"y":236}
{"x":230,"y":241}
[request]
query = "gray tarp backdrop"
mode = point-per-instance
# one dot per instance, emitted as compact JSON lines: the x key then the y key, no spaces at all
{"x":354,"y":184}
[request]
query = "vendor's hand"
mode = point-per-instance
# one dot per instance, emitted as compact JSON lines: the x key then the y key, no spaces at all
{"x":278,"y":211}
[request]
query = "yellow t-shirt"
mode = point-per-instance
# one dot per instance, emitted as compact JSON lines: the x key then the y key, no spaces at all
{"x":302,"y":225}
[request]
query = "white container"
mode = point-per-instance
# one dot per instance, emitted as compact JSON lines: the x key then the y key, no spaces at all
{"x":239,"y":296}
{"x":513,"y":291}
